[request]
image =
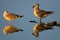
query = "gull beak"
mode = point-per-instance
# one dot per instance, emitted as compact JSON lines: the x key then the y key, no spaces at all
{"x":33,"y":6}
{"x":35,"y":35}
{"x":21,"y":16}
{"x":32,"y":33}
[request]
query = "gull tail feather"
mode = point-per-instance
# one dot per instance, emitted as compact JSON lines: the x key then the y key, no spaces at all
{"x":21,"y":30}
{"x":50,"y":12}
{"x":49,"y":28}
{"x":19,"y":16}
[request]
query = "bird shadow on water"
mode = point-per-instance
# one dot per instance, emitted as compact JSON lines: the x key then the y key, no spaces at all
{"x":39,"y":27}
{"x":11,"y":29}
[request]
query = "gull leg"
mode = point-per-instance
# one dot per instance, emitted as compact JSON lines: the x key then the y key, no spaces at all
{"x":41,"y":23}
{"x":40,"y":20}
{"x":10,"y":23}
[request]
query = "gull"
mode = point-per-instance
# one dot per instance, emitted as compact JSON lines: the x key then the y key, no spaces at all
{"x":10,"y":29}
{"x":10,"y":16}
{"x":40,"y":13}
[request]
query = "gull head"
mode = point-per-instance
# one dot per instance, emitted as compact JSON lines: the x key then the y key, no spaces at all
{"x":35,"y":34}
{"x":36,"y":5}
{"x":5,"y":12}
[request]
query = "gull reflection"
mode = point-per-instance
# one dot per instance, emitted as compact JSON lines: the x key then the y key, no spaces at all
{"x":58,"y":24}
{"x":10,"y":29}
{"x":39,"y":27}
{"x":33,"y":21}
{"x":52,"y":24}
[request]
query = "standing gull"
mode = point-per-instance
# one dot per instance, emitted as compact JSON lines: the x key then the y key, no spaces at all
{"x":10,"y":16}
{"x":40,"y":13}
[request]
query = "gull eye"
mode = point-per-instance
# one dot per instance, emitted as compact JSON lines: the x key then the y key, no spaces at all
{"x":6,"y":12}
